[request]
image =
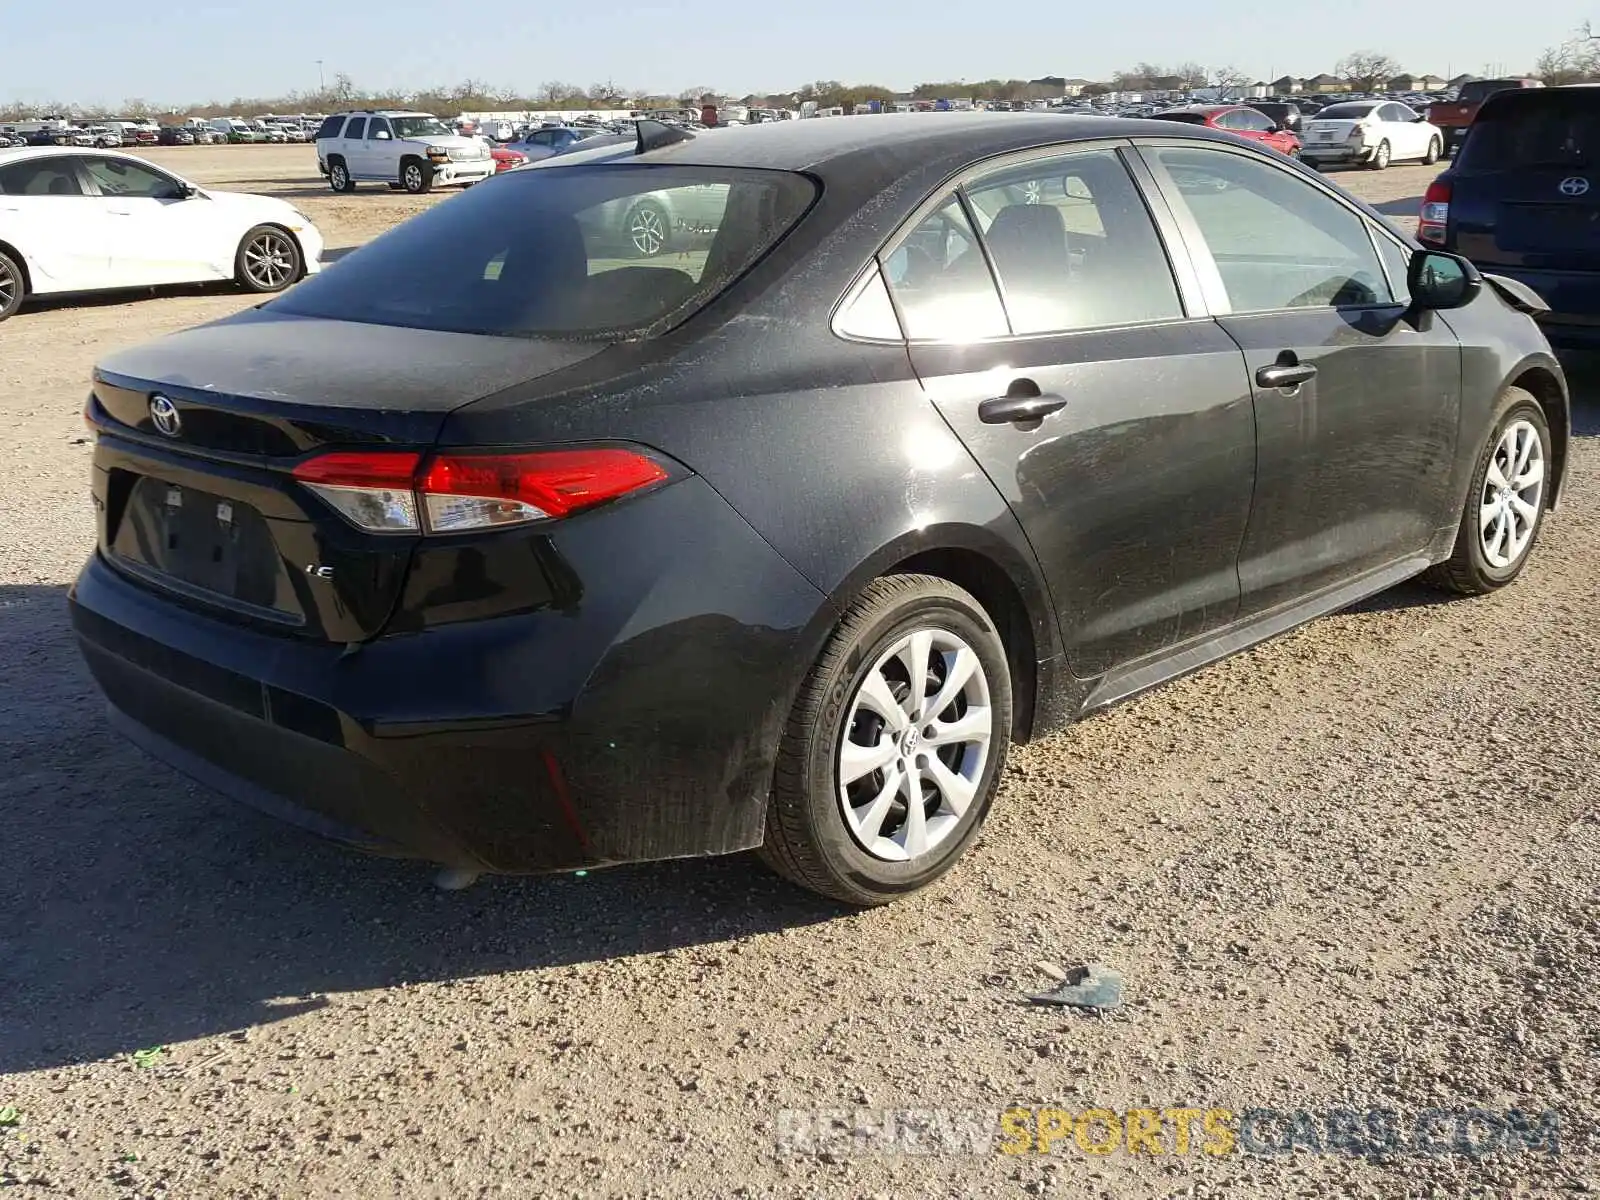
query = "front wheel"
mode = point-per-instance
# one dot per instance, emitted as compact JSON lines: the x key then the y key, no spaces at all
{"x":268,"y":260}
{"x":11,"y":286}
{"x":1380,"y":157}
{"x":415,"y":177}
{"x":894,"y":748}
{"x":1505,"y":505}
{"x":1435,"y":152}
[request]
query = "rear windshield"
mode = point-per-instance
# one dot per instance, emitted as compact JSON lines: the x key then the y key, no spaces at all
{"x":1345,"y":112}
{"x":583,"y":251}
{"x":1191,"y":118}
{"x":1536,"y":128}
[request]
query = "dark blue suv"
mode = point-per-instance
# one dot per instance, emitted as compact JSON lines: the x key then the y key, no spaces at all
{"x":1522,"y":199}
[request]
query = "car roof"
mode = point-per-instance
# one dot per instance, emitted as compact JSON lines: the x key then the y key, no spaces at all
{"x":1204,"y":108}
{"x":18,"y":153}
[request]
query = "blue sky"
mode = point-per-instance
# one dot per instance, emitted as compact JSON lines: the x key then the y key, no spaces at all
{"x":107,"y":51}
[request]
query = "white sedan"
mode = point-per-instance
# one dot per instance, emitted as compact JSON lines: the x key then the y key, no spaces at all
{"x":85,"y":220}
{"x":1370,"y":133}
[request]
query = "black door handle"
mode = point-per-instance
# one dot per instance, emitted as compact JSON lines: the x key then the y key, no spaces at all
{"x":1286,"y":374}
{"x":998,"y":410}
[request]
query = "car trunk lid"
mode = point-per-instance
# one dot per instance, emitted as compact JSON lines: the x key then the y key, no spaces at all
{"x":200,"y":433}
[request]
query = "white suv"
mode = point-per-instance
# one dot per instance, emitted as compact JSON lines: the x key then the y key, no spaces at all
{"x":409,"y":150}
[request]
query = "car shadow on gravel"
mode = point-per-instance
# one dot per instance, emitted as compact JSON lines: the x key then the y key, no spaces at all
{"x":138,"y":909}
{"x":1406,"y":206}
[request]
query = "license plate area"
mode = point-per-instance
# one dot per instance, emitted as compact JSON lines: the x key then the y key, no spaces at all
{"x":215,"y":548}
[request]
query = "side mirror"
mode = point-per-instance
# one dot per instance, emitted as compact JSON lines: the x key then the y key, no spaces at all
{"x":382,"y":135}
{"x":1441,"y":281}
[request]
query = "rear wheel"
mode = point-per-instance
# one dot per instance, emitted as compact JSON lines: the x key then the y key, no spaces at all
{"x":1435,"y":152}
{"x":268,"y":260}
{"x":339,"y":176}
{"x":646,"y":228}
{"x":1505,"y":505}
{"x":12,"y":288}
{"x":893,"y":751}
{"x":1380,"y":157}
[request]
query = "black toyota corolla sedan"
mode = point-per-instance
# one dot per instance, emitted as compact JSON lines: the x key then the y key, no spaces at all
{"x":509,"y":545}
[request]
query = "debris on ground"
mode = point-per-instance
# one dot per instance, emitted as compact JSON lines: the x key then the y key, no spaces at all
{"x":1087,"y":985}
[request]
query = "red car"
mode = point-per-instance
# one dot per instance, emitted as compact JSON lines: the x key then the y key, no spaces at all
{"x":1239,"y":119}
{"x":505,"y":159}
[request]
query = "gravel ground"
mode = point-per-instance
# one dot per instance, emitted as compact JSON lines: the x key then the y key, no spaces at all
{"x":1355,"y":868}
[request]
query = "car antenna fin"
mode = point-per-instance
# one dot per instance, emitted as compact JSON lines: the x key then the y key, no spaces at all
{"x":655,"y":135}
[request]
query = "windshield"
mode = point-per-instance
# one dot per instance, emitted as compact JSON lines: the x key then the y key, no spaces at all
{"x":1345,"y":112}
{"x":415,"y":127}
{"x":1536,"y":129}
{"x":1480,"y":90}
{"x":579,"y":251}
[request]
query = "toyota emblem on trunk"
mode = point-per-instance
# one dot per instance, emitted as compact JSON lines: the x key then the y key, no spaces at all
{"x":165,"y":415}
{"x":1574,"y":185}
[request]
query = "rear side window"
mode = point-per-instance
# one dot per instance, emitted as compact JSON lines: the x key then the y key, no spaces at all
{"x":357,"y":128}
{"x":584,"y":251}
{"x":330,"y":128}
{"x":1536,"y":128}
{"x":941,"y":282}
{"x":54,"y":176}
{"x":1073,"y":245}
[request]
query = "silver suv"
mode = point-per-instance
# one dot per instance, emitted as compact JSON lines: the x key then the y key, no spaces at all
{"x":409,"y":150}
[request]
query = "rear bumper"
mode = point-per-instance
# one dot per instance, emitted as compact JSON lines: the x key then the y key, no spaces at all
{"x":640,"y":721}
{"x":1315,"y":153}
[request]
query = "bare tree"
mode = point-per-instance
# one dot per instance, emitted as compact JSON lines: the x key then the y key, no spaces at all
{"x":1191,"y":74}
{"x":1228,"y":79}
{"x":1576,"y":60}
{"x":1366,"y":70}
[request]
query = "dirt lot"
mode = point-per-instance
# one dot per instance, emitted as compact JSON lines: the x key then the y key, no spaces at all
{"x":1354,"y":869}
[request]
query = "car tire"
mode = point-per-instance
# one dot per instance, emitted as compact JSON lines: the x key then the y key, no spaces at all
{"x":416,"y":176}
{"x":13,"y":285}
{"x":859,"y":840}
{"x":647,"y":229}
{"x":1380,"y":157}
{"x":268,"y":260}
{"x":1435,"y":152}
{"x":1501,"y":520}
{"x":339,"y":176}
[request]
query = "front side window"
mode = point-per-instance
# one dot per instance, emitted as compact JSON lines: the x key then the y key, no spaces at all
{"x":117,"y":177}
{"x":579,"y":252}
{"x":378,"y":126}
{"x":1278,"y":241}
{"x":1397,"y":264}
{"x":1073,"y":245}
{"x":941,"y":283}
{"x":54,"y":176}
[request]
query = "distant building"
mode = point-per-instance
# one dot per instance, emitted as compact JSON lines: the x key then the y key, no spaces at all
{"x":1459,"y":80}
{"x":1259,"y":89}
{"x":1324,"y":84}
{"x":1287,"y":86}
{"x":1416,"y":83}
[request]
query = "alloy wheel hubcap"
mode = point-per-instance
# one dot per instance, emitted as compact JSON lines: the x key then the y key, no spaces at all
{"x":269,"y":260}
{"x":413,"y":177}
{"x":339,"y":177}
{"x":8,"y":288}
{"x":646,"y":231}
{"x":1513,"y":490}
{"x":916,"y":740}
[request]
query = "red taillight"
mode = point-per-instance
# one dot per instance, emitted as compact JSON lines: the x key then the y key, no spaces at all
{"x":390,"y":492}
{"x":1435,"y":216}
